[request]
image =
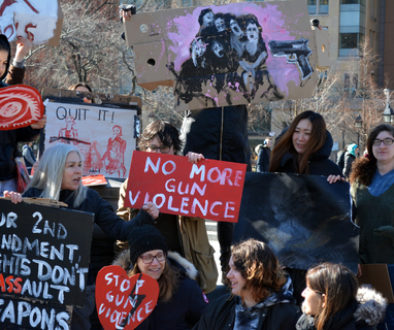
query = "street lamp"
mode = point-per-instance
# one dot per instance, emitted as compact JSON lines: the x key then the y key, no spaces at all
{"x":388,"y":113}
{"x":358,"y":123}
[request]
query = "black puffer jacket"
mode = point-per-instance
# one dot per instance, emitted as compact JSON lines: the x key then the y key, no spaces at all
{"x":110,"y":226}
{"x":218,"y":133}
{"x":319,"y":164}
{"x":364,"y":314}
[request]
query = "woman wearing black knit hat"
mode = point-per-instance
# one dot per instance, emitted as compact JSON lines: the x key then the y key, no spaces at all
{"x":181,"y":301}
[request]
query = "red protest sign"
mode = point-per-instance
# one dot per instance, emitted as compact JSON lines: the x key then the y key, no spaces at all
{"x":210,"y":189}
{"x":20,"y":106}
{"x":124,"y":302}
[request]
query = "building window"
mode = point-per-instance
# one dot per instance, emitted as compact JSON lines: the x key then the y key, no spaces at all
{"x":318,"y":7}
{"x":349,"y":44}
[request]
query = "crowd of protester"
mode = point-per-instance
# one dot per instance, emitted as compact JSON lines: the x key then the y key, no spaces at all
{"x":175,"y":250}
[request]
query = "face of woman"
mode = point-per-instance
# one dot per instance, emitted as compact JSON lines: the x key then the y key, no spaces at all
{"x":72,"y":172}
{"x":301,"y":135}
{"x":313,"y":301}
{"x":3,"y":61}
{"x":236,"y":279}
{"x":152,"y":263}
{"x":381,"y":151}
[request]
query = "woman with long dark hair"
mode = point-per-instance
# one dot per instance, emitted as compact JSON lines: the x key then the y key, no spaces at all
{"x":10,"y":138}
{"x":304,"y":148}
{"x":372,"y":189}
{"x":261,"y":293}
{"x":181,"y":301}
{"x":333,"y":300}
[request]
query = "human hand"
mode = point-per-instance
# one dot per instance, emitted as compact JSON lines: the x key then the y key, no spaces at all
{"x":194,"y":157}
{"x":40,"y":123}
{"x":23,"y":47}
{"x":335,"y":178}
{"x":14,"y":196}
{"x":151,"y":209}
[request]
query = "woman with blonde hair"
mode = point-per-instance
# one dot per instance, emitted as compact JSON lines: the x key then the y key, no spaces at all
{"x":58,"y":177}
{"x":333,"y":300}
{"x":261,"y":293}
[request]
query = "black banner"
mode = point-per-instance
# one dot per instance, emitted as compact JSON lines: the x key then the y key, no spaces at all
{"x":44,"y":260}
{"x":303,"y":218}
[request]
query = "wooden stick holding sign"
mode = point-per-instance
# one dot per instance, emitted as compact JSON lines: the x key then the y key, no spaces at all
{"x":124,"y":302}
{"x":210,"y":189}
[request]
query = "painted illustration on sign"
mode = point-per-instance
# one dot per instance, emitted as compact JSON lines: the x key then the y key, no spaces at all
{"x":104,"y":136}
{"x":35,"y":20}
{"x":20,"y":106}
{"x":245,"y":48}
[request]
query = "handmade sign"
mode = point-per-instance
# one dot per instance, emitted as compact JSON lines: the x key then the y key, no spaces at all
{"x":210,"y":189}
{"x":124,"y":302}
{"x":20,"y":106}
{"x":44,"y":260}
{"x":238,"y":53}
{"x":105,"y":135}
{"x":36,"y":20}
{"x":304,"y":219}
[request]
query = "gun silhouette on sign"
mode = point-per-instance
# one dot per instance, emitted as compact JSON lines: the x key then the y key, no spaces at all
{"x":296,"y":52}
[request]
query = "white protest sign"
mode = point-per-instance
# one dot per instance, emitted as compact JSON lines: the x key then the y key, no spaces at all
{"x":32,"y":19}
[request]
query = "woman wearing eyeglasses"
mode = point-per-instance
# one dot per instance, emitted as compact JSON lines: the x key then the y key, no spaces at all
{"x":333,"y":301}
{"x":372,"y":187}
{"x":181,"y":301}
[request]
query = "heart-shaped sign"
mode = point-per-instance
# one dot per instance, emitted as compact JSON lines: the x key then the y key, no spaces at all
{"x":20,"y":106}
{"x":124,"y":302}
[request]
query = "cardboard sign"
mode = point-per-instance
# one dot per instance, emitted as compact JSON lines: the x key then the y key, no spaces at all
{"x":304,"y":219}
{"x":233,"y":54}
{"x":20,"y":106}
{"x":210,"y":189}
{"x":105,"y":135}
{"x":36,"y":20}
{"x":44,"y":260}
{"x":124,"y":302}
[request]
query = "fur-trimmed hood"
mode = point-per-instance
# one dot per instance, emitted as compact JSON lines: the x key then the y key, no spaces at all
{"x":366,"y":313}
{"x":123,"y":260}
{"x":372,"y":306}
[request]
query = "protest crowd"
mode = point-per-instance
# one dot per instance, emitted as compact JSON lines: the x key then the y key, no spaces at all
{"x":260,"y":290}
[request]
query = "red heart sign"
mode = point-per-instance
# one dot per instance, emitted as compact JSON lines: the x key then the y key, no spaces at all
{"x":124,"y":302}
{"x":20,"y":106}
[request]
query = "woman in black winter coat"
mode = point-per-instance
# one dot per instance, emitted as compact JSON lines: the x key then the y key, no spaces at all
{"x":261,"y":293}
{"x":10,"y":138}
{"x":333,"y":301}
{"x":59,"y":177}
{"x":181,"y":301}
{"x":304,"y":148}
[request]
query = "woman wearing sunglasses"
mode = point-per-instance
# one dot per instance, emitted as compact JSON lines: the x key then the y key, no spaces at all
{"x":181,"y":301}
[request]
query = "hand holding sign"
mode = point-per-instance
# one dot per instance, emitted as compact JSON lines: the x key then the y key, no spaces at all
{"x":123,"y":302}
